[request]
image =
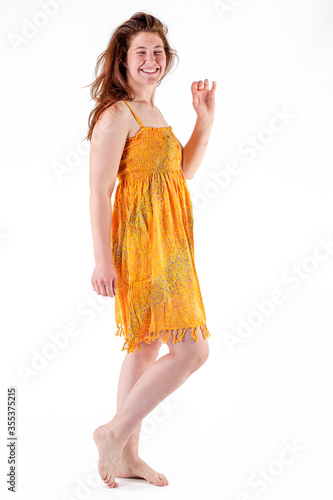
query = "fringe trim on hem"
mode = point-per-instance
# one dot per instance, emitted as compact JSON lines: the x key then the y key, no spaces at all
{"x":132,"y":343}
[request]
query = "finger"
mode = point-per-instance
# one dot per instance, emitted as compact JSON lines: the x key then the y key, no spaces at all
{"x":109,"y":290}
{"x":206,"y":85}
{"x":102,"y":289}
{"x":213,"y":87}
{"x":194,"y":87}
{"x":96,"y":287}
{"x":200,"y":84}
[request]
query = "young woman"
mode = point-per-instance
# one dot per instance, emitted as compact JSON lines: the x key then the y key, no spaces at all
{"x":143,"y":249}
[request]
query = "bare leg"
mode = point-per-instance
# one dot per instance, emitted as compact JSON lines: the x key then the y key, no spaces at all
{"x":157,"y":382}
{"x":134,"y":365}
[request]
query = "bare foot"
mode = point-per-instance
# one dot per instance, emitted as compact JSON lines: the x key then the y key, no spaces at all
{"x":109,"y":452}
{"x":136,"y":467}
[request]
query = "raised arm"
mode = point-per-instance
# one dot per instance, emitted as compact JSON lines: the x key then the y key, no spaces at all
{"x":194,"y":150}
{"x":107,"y":144}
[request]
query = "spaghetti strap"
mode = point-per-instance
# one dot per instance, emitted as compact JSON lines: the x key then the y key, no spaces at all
{"x":135,"y":116}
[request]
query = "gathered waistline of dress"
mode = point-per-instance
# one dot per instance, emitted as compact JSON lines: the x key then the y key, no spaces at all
{"x":144,"y":174}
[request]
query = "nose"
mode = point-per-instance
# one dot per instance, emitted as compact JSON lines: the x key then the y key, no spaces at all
{"x":150,"y":57}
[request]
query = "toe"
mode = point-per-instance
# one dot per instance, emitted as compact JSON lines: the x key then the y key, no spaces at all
{"x":162,"y":479}
{"x":102,"y":473}
{"x":107,"y":478}
{"x":113,"y":484}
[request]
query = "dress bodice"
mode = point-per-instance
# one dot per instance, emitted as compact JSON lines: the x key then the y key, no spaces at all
{"x":151,"y":150}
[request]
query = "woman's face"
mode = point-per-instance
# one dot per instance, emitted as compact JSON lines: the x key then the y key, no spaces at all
{"x":146,"y":52}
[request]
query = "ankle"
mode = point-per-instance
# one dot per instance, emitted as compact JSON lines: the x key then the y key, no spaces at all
{"x":117,"y":434}
{"x":130,"y":455}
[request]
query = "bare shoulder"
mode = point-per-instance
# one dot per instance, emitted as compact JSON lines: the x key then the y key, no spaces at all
{"x":114,"y":120}
{"x":107,"y":145}
{"x":115,"y":114}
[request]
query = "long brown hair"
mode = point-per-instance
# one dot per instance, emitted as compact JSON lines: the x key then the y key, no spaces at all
{"x":111,"y":85}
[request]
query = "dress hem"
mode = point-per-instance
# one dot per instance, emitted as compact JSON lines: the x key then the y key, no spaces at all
{"x":132,"y":343}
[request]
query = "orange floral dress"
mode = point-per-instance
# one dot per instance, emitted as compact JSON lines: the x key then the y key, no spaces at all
{"x":152,"y":243}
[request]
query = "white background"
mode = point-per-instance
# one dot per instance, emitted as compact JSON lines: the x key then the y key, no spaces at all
{"x":233,"y":417}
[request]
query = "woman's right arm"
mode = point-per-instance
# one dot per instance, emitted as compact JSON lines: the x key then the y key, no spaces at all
{"x":106,"y":148}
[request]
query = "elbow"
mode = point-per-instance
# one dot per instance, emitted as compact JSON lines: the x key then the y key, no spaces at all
{"x":102,"y":189}
{"x":100,"y":195}
{"x":187,"y":175}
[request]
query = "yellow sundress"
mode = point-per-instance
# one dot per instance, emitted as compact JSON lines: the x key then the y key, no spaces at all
{"x":152,"y":243}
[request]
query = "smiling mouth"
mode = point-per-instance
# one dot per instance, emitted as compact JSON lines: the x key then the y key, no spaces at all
{"x":150,"y":72}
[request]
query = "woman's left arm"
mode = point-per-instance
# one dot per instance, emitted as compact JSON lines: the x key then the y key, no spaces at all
{"x":194,"y":150}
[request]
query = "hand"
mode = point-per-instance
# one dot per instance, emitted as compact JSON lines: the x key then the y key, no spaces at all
{"x":203,"y":98}
{"x":104,"y":279}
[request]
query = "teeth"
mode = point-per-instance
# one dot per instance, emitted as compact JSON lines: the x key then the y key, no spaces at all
{"x":149,"y":70}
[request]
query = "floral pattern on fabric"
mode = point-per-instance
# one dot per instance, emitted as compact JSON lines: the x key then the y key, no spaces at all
{"x":152,"y":243}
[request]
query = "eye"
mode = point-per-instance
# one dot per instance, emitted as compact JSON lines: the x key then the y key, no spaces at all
{"x":160,"y":52}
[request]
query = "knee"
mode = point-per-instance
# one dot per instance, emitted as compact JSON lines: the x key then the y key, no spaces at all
{"x":151,"y":356}
{"x":201,"y":355}
{"x":149,"y":352}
